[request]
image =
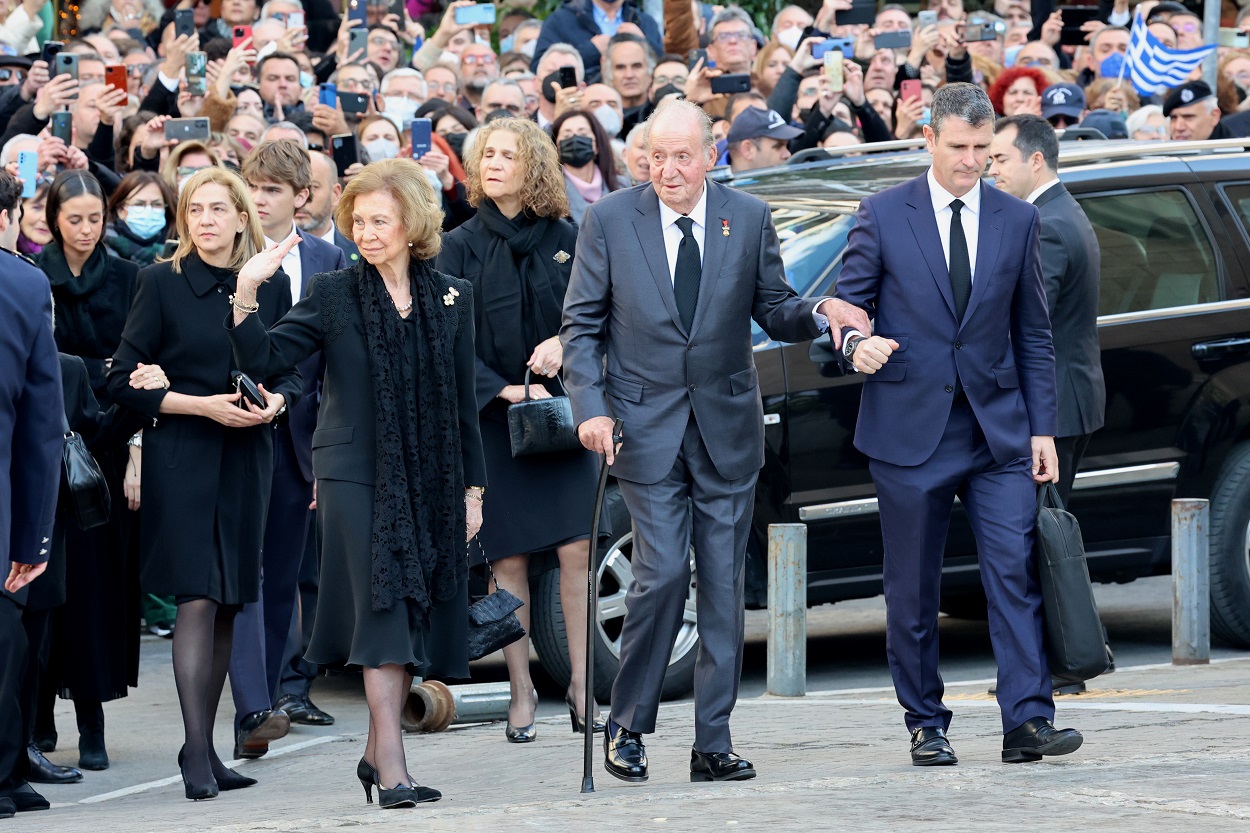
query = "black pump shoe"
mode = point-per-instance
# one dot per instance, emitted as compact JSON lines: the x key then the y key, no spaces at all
{"x":929,"y":747}
{"x":624,"y":754}
{"x":369,"y":778}
{"x":197,"y":792}
{"x":578,"y":721}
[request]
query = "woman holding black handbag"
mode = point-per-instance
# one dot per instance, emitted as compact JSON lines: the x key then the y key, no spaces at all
{"x":518,"y":254}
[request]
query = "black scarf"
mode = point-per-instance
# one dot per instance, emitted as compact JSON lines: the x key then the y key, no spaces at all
{"x":73,"y":294}
{"x":418,"y":504}
{"x":520,"y":299}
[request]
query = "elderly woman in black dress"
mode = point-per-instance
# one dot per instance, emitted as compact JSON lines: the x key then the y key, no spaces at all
{"x":397,"y":454}
{"x":208,"y":460}
{"x":518,"y":253}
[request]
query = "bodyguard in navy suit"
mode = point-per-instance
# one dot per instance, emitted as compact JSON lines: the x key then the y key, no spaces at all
{"x":30,"y":455}
{"x":958,"y":401}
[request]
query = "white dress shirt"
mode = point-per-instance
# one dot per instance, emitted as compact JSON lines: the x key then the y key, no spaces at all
{"x":328,"y":236}
{"x":293,"y":266}
{"x":1041,"y":189}
{"x":672,"y":231}
{"x":969,"y":216}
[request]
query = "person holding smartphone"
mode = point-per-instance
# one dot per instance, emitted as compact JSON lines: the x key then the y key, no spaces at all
{"x":588,"y":25}
{"x":209,"y":460}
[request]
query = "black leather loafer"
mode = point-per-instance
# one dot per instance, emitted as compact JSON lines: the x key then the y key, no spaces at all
{"x":26,"y":800}
{"x":43,"y":771}
{"x":624,"y":754}
{"x":301,"y":710}
{"x":719,"y":766}
{"x":7,"y":808}
{"x":929,"y":747}
{"x":1037,"y":737}
{"x":257,"y":729}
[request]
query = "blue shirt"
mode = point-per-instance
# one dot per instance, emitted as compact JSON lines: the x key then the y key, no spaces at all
{"x":607,"y":25}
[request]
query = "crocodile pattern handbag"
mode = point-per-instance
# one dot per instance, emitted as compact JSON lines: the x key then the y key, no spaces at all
{"x":493,"y":623}
{"x":541,"y":426}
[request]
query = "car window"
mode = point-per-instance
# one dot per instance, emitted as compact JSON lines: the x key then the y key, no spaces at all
{"x":1155,"y":251}
{"x":812,"y":243}
{"x":1238,"y":197}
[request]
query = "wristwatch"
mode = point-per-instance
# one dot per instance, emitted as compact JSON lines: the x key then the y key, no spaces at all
{"x":848,"y":346}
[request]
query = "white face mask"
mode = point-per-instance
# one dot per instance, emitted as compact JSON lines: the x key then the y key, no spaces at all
{"x":435,"y":183}
{"x":381,"y":149}
{"x":400,"y":107}
{"x":609,"y":119}
{"x":527,"y":48}
{"x":790,"y":37}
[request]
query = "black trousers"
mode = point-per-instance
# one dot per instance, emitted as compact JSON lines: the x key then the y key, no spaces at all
{"x":13,"y":734}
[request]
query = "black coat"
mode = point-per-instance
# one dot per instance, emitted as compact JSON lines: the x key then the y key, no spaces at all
{"x":107,"y":305}
{"x":330,"y":319}
{"x":1070,"y":266}
{"x":205,"y":486}
{"x":464,"y":255}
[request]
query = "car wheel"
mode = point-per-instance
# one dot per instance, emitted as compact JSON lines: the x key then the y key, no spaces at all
{"x":615,"y":574}
{"x":1230,"y":550}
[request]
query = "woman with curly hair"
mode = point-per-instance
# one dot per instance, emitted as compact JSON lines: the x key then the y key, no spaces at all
{"x":1018,"y":90}
{"x":518,"y":254}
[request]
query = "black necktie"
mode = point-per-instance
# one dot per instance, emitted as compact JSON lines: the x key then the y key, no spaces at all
{"x":960,"y":270}
{"x":687,"y":273}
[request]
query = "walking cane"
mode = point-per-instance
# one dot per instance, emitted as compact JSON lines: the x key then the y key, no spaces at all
{"x":592,"y":618}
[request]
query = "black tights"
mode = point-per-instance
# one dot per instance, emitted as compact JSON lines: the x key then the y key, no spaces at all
{"x":202,"y":638}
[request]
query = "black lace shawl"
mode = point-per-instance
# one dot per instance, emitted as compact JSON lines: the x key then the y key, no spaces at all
{"x":418,"y":504}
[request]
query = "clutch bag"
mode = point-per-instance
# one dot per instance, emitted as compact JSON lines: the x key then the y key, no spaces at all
{"x":541,"y":426}
{"x":247,"y":391}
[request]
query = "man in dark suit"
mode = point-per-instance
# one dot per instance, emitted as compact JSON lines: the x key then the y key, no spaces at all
{"x":667,"y":280}
{"x":31,"y":406}
{"x":958,"y":401}
{"x":1024,"y":159}
{"x":279,"y":175}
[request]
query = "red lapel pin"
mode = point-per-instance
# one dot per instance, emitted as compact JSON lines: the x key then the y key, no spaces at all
{"x":724,"y":227}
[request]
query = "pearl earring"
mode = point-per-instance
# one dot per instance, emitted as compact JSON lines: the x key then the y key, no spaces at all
{"x":410,"y":244}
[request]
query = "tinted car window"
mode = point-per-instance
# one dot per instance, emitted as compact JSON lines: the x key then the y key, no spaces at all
{"x":812,"y":243}
{"x":1239,"y":197}
{"x":1155,"y":252}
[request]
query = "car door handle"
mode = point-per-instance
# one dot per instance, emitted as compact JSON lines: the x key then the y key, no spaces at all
{"x":1223,"y":347}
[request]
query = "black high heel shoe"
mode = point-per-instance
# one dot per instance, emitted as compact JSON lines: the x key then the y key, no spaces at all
{"x":522,"y":734}
{"x":369,"y":778}
{"x":197,"y":792}
{"x":230,"y":781}
{"x":579,"y":722}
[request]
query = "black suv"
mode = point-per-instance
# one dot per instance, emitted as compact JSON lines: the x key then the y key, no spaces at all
{"x":1173,"y":221}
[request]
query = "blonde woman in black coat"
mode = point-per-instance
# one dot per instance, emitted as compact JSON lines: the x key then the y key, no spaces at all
{"x":207,"y":460}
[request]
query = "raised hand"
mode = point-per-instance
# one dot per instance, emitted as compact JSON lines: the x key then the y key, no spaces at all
{"x":263,"y":264}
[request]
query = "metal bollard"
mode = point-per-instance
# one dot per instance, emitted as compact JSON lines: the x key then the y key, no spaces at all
{"x":433,"y":706}
{"x":787,"y":610}
{"x":1191,"y":593}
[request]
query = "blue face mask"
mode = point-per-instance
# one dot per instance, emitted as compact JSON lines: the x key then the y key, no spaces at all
{"x":505,"y":45}
{"x":306,"y":80}
{"x":146,"y":221}
{"x":1112,"y":65}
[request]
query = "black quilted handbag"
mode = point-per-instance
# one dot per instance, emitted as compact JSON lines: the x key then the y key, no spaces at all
{"x":541,"y":426}
{"x":84,"y":495}
{"x":493,"y":623}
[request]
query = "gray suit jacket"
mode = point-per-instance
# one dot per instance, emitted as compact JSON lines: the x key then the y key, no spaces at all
{"x":620,"y":307}
{"x":1071,"y":261}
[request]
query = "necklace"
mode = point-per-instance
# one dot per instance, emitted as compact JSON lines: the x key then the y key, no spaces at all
{"x":404,"y":308}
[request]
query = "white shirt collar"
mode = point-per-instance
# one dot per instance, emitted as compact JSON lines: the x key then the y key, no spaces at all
{"x":294,"y":231}
{"x":942,"y":198}
{"x":1041,"y":189}
{"x":699,"y":213}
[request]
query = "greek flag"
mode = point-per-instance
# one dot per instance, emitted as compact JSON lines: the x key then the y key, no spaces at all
{"x":1155,"y":68}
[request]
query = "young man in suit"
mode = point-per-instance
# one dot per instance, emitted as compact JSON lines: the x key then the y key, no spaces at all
{"x":673,"y":321}
{"x":958,"y":401}
{"x":31,"y":406}
{"x":279,"y":174}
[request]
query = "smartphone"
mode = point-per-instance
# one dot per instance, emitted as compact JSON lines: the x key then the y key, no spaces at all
{"x":187,"y":130}
{"x":900,"y":39}
{"x":116,"y":78}
{"x":819,"y":50}
{"x":739,"y":83}
{"x":28,"y":172}
{"x":479,"y":14}
{"x":1234,"y":38}
{"x":63,"y":126}
{"x":67,"y":64}
{"x":240,"y":34}
{"x":695,"y":55}
{"x":49,"y":52}
{"x":861,"y":11}
{"x":847,"y":45}
{"x":927,"y":18}
{"x":567,"y":77}
{"x":353,"y":102}
{"x":328,"y":95}
{"x":910,"y":89}
{"x":1074,"y":17}
{"x":976,"y":32}
{"x":421,"y":142}
{"x":184,"y":23}
{"x":357,"y":12}
{"x":197,"y":64}
{"x":295,"y":20}
{"x":833,"y":71}
{"x":343,"y":149}
{"x":358,"y":41}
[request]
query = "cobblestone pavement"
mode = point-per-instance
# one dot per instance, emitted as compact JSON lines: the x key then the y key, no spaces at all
{"x":1166,"y":749}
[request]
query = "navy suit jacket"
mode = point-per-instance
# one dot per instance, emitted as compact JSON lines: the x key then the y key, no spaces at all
{"x":347,"y":246}
{"x":31,"y":412}
{"x":316,"y":257}
{"x":1002,"y":353}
